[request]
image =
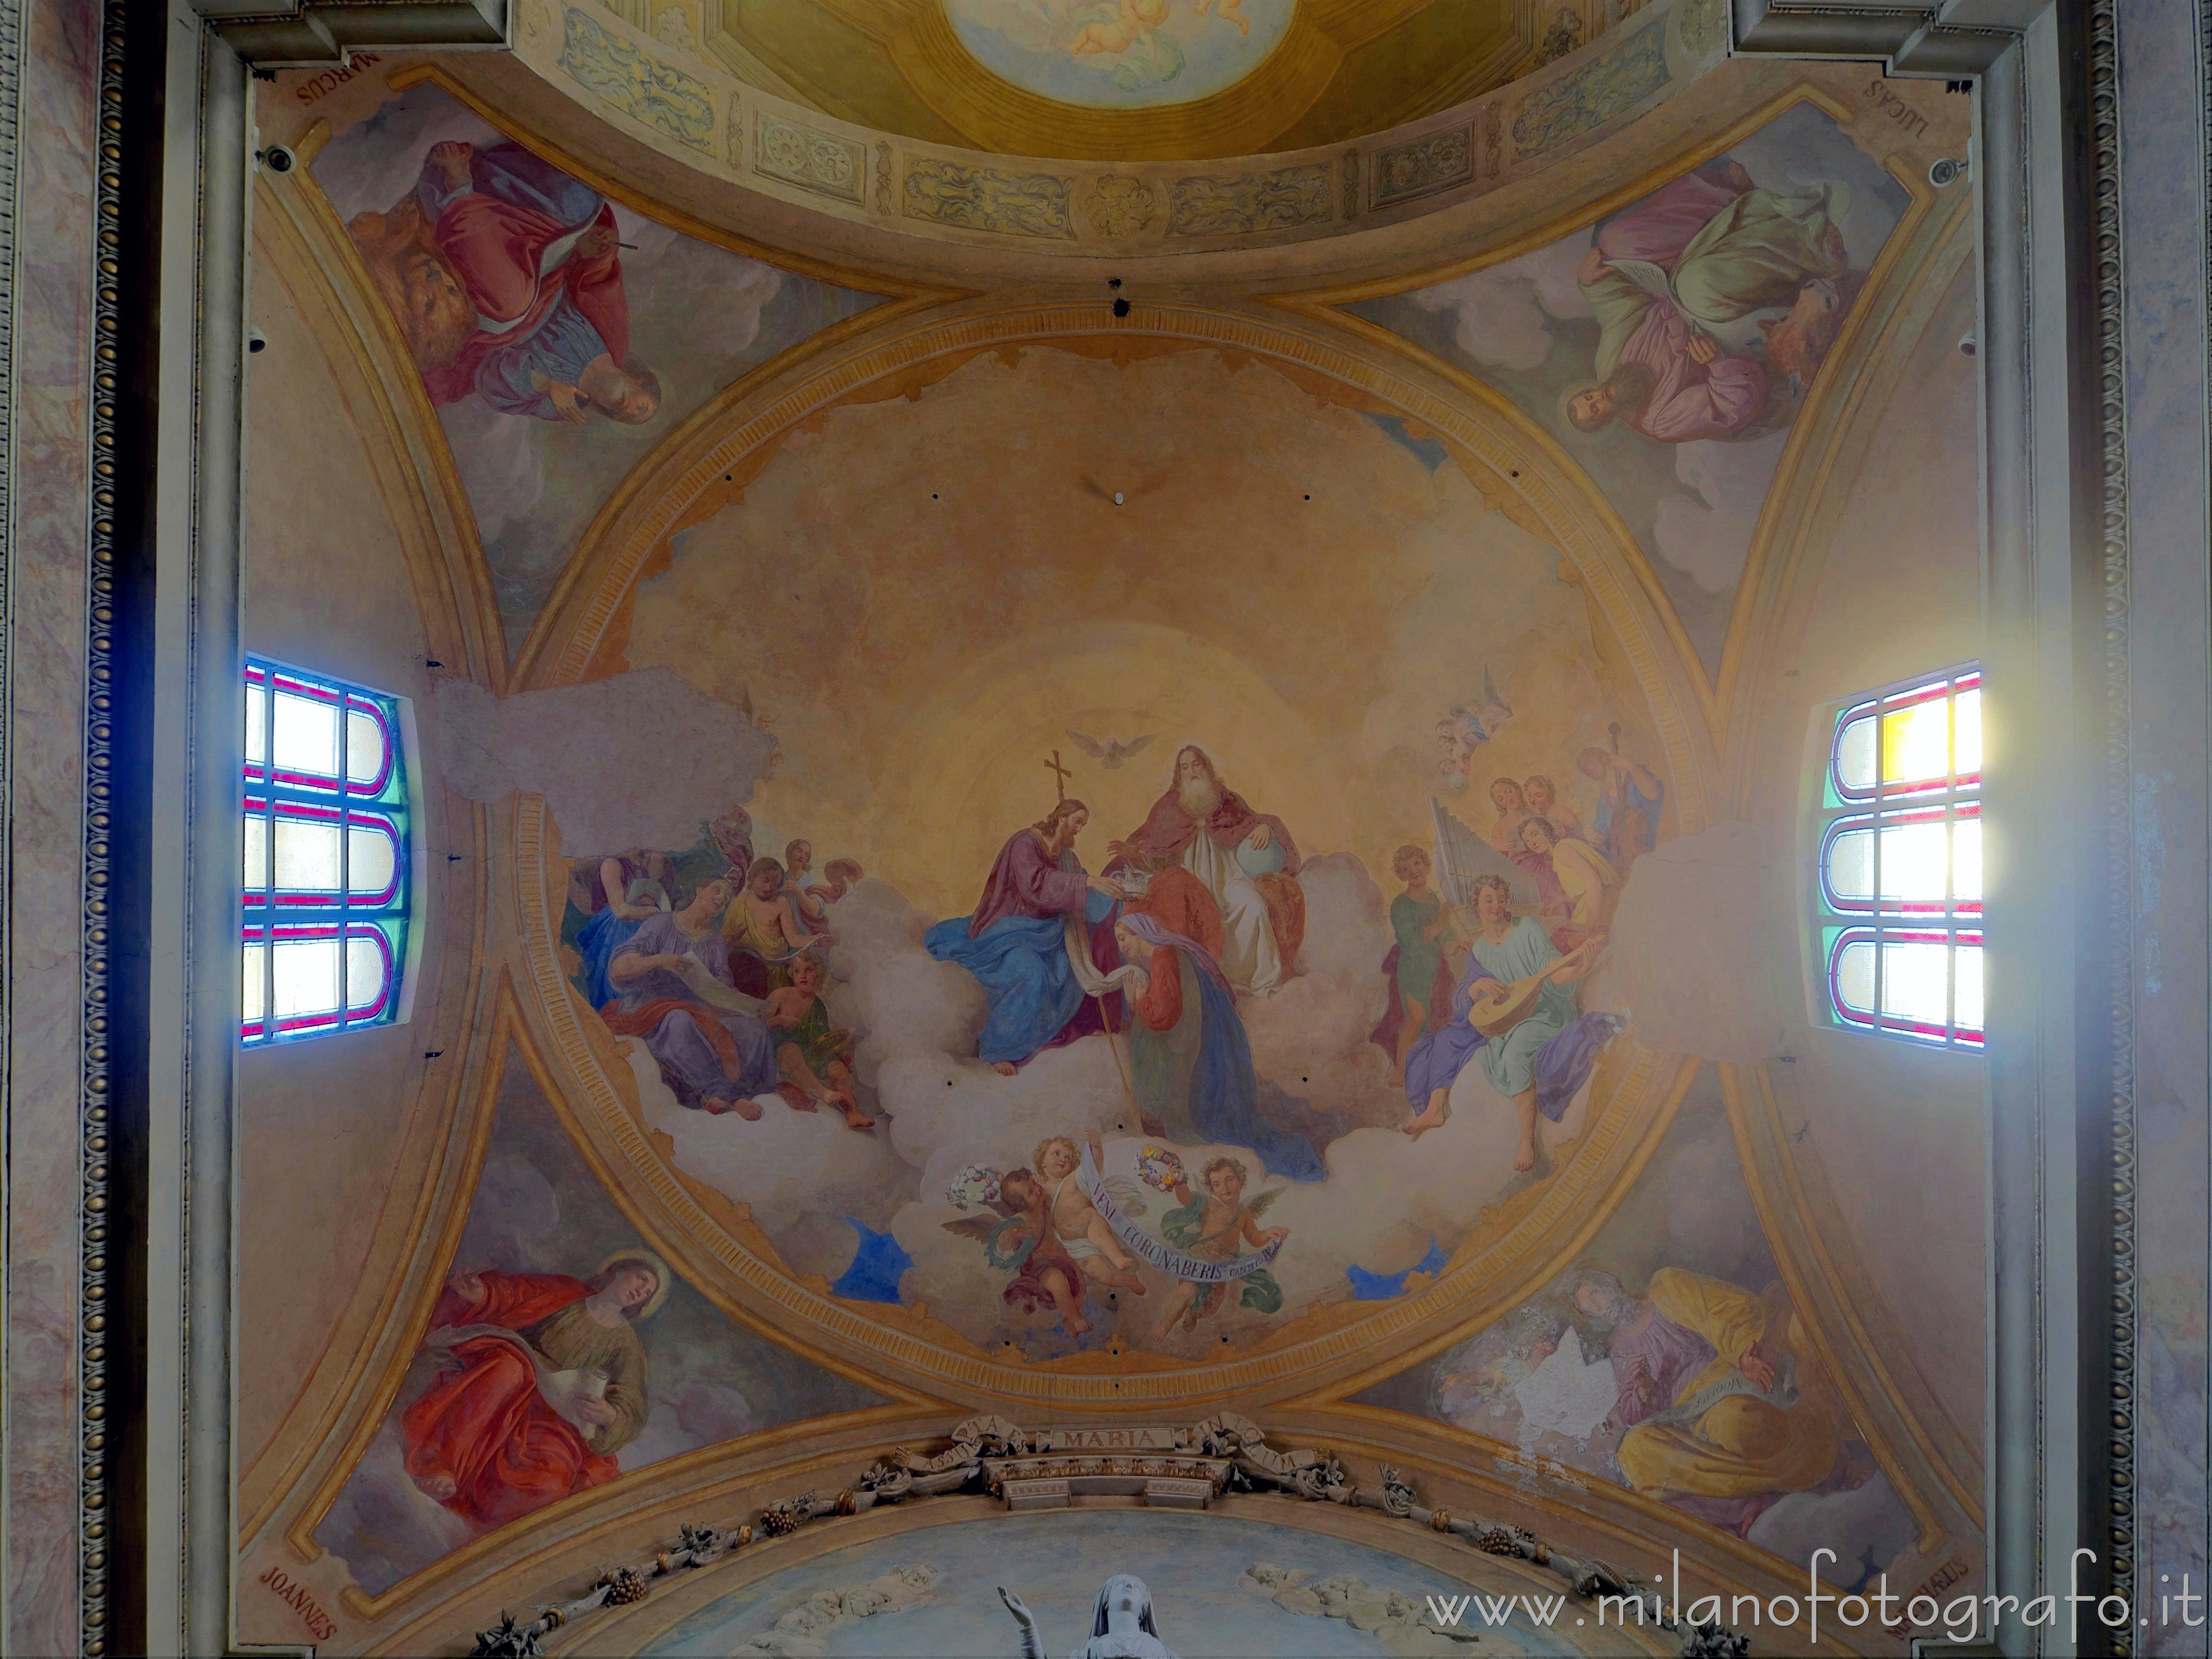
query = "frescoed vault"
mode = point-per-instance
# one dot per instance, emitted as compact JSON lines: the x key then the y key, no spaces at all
{"x":1007,"y":845}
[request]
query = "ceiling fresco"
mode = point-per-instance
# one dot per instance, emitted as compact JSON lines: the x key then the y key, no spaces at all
{"x":549,"y":393}
{"x":1068,"y":851}
{"x":1671,"y":345}
{"x":1118,"y":79}
{"x":934,"y":611}
{"x":1620,"y":1368}
{"x":642,"y":1367}
{"x":1138,"y":56}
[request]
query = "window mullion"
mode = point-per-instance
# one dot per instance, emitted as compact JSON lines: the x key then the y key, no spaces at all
{"x":345,"y":857}
{"x":269,"y":859}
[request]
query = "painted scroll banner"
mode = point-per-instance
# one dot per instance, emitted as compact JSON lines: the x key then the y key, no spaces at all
{"x":1163,"y":1256}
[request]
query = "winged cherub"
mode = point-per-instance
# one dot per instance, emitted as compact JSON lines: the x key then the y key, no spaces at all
{"x":1112,"y":752}
{"x":1022,"y":1232}
{"x":1467,"y":725}
{"x":1209,"y":1226}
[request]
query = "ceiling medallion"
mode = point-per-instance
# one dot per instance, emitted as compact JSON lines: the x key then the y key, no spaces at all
{"x":1120,"y":54}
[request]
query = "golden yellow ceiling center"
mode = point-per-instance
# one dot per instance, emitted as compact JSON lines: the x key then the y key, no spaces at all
{"x":1321,"y":70}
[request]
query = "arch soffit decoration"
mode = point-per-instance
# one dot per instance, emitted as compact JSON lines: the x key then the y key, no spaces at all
{"x":1408,"y":198}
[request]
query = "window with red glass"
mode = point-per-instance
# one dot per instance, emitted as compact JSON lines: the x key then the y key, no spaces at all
{"x":1900,"y":863}
{"x":324,"y":911}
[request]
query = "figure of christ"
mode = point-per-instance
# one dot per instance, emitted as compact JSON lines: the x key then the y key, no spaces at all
{"x":1709,"y":248}
{"x":1240,"y":856}
{"x":1521,"y":1064}
{"x":535,"y":252}
{"x":1209,"y":1228}
{"x":1513,"y":811}
{"x":485,"y":1439}
{"x":1589,"y":885}
{"x":1083,"y":1232}
{"x":1016,"y":942}
{"x":712,"y":1057}
{"x":1705,"y":1426}
{"x":1541,"y":796}
{"x":764,"y":927}
{"x":813,"y":1057}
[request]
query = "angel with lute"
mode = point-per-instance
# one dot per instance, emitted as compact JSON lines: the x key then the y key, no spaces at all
{"x":1514,"y":1015}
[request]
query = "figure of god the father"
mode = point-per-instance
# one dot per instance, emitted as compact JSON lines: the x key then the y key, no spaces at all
{"x":1207,"y":829}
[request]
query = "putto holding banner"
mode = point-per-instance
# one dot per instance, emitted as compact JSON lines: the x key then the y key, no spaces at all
{"x":1201,"y":1236}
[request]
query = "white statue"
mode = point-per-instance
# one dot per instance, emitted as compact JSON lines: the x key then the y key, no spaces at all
{"x":1121,"y":1625}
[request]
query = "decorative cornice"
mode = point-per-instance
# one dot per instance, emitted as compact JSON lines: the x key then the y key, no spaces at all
{"x":95,"y":1129}
{"x":978,"y":1456}
{"x":2112,"y":1499}
{"x":1955,"y":40}
{"x":318,"y":34}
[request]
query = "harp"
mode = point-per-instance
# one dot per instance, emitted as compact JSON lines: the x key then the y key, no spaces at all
{"x":1464,"y":857}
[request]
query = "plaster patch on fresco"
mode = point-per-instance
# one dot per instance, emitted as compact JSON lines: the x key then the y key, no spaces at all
{"x":1696,"y":912}
{"x":1267,"y":936}
{"x":562,"y":1353}
{"x":1671,"y":358}
{"x":600,"y":752}
{"x":1120,"y":54}
{"x":1220,"y":1587}
{"x":556,"y":368}
{"x":1669,"y":1358}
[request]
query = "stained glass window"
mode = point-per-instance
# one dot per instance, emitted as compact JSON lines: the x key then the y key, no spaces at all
{"x":323,"y":906}
{"x":1900,"y":862}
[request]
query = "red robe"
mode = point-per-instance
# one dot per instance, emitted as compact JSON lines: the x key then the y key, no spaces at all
{"x":1167,"y":829}
{"x":486,"y":1424}
{"x":1178,"y":900}
{"x":494,"y":246}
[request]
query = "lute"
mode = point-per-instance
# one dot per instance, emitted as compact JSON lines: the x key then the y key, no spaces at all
{"x":1500,"y":1012}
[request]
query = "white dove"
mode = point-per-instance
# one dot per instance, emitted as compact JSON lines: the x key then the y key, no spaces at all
{"x":1112,"y":752}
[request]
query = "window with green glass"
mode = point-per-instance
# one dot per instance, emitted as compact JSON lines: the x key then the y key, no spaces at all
{"x":324,"y":906}
{"x":1900,"y":862}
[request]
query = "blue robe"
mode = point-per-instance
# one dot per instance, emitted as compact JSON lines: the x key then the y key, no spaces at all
{"x":1021,"y":962}
{"x":1569,"y":1045}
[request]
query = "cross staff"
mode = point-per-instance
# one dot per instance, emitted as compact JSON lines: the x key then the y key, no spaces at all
{"x":1060,"y":773}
